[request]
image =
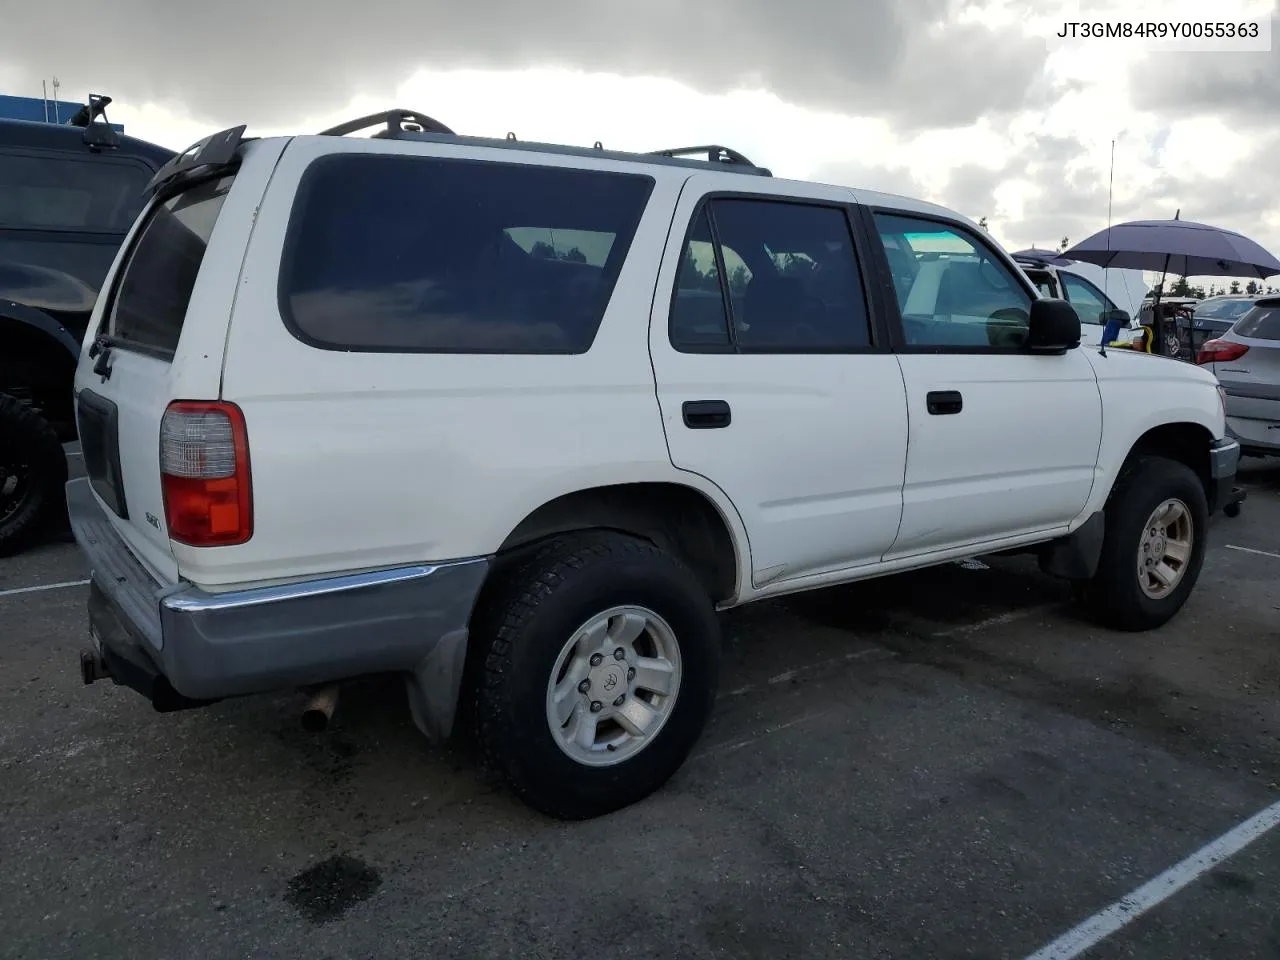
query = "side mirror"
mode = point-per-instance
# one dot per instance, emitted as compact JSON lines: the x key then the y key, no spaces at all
{"x":1119,"y":316}
{"x":1053,"y":327}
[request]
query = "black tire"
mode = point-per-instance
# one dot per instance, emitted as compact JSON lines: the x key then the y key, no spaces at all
{"x":1114,"y":596}
{"x":524,"y":620}
{"x":29,"y":444}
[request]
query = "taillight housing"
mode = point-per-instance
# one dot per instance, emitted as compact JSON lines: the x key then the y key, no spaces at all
{"x":204,"y":474}
{"x":1220,"y":351}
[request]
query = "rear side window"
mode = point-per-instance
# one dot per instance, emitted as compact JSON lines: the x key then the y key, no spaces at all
{"x":1260,"y":323}
{"x":430,"y":255}
{"x":69,"y":193}
{"x":154,"y":289}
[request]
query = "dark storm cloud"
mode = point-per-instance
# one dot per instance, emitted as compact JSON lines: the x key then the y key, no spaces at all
{"x":267,"y":62}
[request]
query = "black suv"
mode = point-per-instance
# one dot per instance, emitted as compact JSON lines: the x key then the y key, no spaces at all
{"x":68,"y":195}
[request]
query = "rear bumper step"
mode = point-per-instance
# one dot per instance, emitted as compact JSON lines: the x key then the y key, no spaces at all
{"x":181,"y":646}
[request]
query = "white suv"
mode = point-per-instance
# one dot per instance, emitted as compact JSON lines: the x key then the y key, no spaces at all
{"x":515,"y":420}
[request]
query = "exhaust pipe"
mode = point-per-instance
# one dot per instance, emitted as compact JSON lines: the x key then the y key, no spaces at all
{"x":320,"y":708}
{"x":93,"y":668}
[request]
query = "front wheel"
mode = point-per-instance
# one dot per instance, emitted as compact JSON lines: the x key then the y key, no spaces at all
{"x":1153,"y":548}
{"x":601,"y":658}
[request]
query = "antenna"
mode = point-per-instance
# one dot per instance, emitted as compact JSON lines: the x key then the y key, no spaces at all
{"x":1106,"y":270}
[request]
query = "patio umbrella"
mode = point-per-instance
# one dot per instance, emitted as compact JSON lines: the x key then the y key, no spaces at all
{"x":1183,"y":247}
{"x":1177,"y":246}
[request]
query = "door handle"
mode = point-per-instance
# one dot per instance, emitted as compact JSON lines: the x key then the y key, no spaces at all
{"x":706,"y":414}
{"x":942,"y":402}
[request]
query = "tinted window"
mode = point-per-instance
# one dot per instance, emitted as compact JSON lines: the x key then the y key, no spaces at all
{"x":1088,"y":300}
{"x":952,"y":290}
{"x":790,"y":274}
{"x":699,"y":319}
{"x":65,"y":193}
{"x":155,"y":287}
{"x":425,"y":254}
{"x":1260,"y":323}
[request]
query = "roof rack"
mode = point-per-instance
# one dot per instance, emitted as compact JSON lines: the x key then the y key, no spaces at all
{"x":714,"y":153}
{"x":394,"y":121}
{"x":98,"y":131}
{"x":406,"y":124}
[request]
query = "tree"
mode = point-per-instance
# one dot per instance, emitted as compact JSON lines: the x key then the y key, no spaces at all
{"x":1235,"y":286}
{"x":1062,"y":246}
{"x":982,"y":222}
{"x":1252,"y":287}
{"x":575,"y":256}
{"x":1181,"y":288}
{"x":543,"y":251}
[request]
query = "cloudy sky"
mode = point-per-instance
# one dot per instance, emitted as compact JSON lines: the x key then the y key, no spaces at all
{"x":972,"y":103}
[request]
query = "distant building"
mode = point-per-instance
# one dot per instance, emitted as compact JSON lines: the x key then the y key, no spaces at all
{"x":42,"y":111}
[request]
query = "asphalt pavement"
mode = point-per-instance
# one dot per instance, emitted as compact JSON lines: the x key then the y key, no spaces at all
{"x":940,"y":765}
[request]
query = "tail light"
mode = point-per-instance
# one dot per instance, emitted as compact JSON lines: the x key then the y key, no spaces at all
{"x":1220,"y":351}
{"x":204,"y":474}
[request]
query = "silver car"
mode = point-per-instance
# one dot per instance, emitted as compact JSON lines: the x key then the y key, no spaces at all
{"x":1246,"y":361}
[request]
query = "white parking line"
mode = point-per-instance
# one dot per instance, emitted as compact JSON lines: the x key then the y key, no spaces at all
{"x":1261,"y":553}
{"x":47,"y":586}
{"x":1127,"y":909}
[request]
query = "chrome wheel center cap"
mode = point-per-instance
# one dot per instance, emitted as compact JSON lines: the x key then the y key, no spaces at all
{"x":608,"y":681}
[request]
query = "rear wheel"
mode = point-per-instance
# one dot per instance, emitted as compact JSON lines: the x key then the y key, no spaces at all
{"x":33,"y":475}
{"x":601,"y":658}
{"x":1153,"y":548}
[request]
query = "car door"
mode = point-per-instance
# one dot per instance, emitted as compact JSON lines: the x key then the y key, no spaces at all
{"x":774,"y":375}
{"x":1003,"y":443}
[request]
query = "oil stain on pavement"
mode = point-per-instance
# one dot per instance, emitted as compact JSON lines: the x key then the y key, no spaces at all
{"x":328,"y":889}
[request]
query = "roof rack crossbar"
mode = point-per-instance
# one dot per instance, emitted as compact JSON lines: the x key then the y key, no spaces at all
{"x":394,"y":121}
{"x":714,"y":153}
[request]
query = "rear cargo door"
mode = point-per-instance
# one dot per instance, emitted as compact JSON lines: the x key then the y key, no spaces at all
{"x":1252,"y":380}
{"x":135,"y":368}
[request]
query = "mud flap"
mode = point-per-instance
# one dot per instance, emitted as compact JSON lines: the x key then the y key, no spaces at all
{"x":1075,"y":556}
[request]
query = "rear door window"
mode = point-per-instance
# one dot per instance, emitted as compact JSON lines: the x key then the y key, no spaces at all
{"x":433,"y":255}
{"x":52,"y":192}
{"x":154,"y":288}
{"x":1260,"y":323}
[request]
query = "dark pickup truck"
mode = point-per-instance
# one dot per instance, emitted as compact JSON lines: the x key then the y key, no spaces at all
{"x":68,"y":195}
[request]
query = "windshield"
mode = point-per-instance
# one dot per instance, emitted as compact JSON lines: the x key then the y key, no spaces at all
{"x":1224,"y":309}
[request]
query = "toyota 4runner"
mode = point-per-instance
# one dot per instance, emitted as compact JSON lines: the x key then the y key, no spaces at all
{"x":515,"y":420}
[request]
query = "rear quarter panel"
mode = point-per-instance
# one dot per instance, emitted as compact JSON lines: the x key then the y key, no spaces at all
{"x":366,"y":460}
